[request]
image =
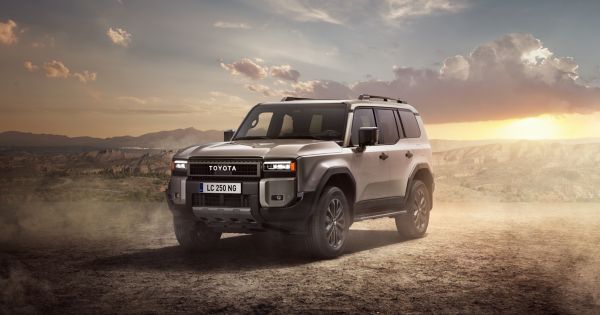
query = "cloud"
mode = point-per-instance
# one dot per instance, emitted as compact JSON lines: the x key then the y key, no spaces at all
{"x":398,"y":10}
{"x":139,"y":100}
{"x":512,"y":76}
{"x":7,"y":32}
{"x":285,"y":72}
{"x":221,"y":24}
{"x":85,"y":76}
{"x":456,"y":67}
{"x":303,"y":11}
{"x":261,"y":88}
{"x":29,"y":66}
{"x":56,"y":69}
{"x":246,"y":67}
{"x":119,"y":36}
{"x":351,"y":12}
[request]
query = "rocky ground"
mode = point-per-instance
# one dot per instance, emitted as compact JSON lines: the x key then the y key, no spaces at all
{"x":98,"y":257}
{"x":515,"y":229}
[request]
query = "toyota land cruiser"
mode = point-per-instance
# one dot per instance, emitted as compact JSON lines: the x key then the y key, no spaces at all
{"x":310,"y":167}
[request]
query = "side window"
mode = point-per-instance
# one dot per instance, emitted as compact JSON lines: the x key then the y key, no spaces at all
{"x":399,"y":124}
{"x":410,"y":124}
{"x":363,"y":117}
{"x":388,"y":130}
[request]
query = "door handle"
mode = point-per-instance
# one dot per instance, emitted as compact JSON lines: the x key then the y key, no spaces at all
{"x":383,"y":156}
{"x":409,"y":154}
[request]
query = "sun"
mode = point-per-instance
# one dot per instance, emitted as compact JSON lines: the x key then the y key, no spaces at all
{"x":533,"y":128}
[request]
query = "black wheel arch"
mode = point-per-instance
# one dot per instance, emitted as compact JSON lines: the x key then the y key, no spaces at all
{"x":422,"y":172}
{"x":342,"y":178}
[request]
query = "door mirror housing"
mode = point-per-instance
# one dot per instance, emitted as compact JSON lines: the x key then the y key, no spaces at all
{"x":367,"y":136}
{"x":228,"y":134}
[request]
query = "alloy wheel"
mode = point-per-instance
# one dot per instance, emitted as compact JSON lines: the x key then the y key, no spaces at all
{"x":335,"y":224}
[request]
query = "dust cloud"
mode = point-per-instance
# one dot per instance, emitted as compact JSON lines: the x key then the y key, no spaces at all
{"x":73,"y":257}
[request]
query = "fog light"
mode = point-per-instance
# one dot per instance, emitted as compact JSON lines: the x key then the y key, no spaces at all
{"x":277,"y":197}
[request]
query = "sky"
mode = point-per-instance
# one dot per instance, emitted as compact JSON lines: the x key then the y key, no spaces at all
{"x":474,"y":69}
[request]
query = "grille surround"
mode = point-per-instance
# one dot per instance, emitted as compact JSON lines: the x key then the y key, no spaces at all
{"x":248,"y":168}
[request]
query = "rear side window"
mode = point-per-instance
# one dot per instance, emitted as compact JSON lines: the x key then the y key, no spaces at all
{"x":363,"y":117}
{"x":388,"y":130}
{"x":410,"y":124}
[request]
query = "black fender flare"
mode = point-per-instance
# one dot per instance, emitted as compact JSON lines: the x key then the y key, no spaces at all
{"x":411,"y":178}
{"x":326,"y":177}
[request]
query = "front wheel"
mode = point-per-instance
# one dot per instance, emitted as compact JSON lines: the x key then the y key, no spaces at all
{"x":414,"y":224}
{"x":194,"y":236}
{"x":329,"y":224}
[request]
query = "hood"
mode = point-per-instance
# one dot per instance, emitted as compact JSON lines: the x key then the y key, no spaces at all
{"x":265,"y":149}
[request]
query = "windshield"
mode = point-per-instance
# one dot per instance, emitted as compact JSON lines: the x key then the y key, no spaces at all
{"x":298,"y":121}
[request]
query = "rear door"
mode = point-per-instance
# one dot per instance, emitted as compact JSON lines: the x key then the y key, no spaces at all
{"x":407,"y":150}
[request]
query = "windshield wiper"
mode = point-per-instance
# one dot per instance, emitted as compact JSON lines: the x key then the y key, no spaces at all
{"x":250,"y":138}
{"x":308,"y":137}
{"x":298,"y":137}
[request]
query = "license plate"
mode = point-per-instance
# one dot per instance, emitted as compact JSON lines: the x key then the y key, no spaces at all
{"x":220,"y":188}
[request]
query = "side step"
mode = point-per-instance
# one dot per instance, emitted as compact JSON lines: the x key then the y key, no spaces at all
{"x":379,"y":215}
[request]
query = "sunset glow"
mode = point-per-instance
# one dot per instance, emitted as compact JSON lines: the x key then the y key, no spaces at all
{"x":542,"y":127}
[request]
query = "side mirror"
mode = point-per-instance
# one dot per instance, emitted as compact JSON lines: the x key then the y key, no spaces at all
{"x":228,"y":134}
{"x":367,"y":136}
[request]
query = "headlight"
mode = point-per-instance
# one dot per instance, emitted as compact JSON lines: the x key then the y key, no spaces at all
{"x":179,"y":166}
{"x":280,"y":166}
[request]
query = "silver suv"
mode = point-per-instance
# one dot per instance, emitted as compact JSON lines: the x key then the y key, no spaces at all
{"x":309,"y":167}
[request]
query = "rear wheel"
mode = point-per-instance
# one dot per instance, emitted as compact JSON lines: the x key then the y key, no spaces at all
{"x":329,"y":224}
{"x":194,"y":236}
{"x":414,"y":224}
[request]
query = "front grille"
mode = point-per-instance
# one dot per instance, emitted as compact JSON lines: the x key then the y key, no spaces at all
{"x":225,"y":168}
{"x":220,"y":200}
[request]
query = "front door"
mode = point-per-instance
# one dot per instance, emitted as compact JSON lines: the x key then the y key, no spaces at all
{"x":371,"y":171}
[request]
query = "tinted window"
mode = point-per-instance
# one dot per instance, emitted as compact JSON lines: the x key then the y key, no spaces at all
{"x":363,"y":117}
{"x":388,"y":131}
{"x":399,"y":124}
{"x":300,"y":121}
{"x":260,"y":125}
{"x":410,"y":124}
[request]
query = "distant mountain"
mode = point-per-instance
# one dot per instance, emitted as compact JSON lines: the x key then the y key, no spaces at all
{"x":518,"y":171}
{"x":171,"y":139}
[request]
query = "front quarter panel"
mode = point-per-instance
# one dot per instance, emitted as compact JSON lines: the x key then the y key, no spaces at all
{"x":312,"y":169}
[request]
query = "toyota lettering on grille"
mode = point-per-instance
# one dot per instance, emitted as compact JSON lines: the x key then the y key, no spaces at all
{"x":222,"y":168}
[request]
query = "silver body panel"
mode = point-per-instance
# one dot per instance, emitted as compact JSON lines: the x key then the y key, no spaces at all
{"x":374,"y":177}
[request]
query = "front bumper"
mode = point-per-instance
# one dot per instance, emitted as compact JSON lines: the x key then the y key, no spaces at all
{"x":242,"y":213}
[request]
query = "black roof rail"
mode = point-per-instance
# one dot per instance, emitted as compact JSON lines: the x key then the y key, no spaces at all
{"x":368,"y":97}
{"x":293,"y":98}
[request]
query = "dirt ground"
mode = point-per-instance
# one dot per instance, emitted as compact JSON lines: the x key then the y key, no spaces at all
{"x":122,"y":258}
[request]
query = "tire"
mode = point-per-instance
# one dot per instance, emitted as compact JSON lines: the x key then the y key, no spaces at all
{"x":414,"y":223}
{"x":194,"y":236}
{"x":329,"y":225}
